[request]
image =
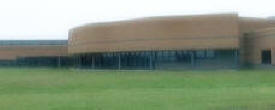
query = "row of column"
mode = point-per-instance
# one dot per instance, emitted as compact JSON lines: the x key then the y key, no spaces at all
{"x":128,"y":60}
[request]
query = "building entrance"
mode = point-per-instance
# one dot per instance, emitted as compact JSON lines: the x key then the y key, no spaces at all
{"x":266,"y":57}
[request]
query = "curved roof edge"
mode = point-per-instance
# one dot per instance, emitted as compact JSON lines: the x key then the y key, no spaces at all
{"x":153,"y":18}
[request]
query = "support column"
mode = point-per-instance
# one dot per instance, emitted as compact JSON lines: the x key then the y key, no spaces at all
{"x":119,"y":61}
{"x":236,"y":56}
{"x":151,"y":61}
{"x":79,"y":61}
{"x":93,"y":61}
{"x":156,"y":59}
{"x":59,"y":62}
{"x":193,"y":58}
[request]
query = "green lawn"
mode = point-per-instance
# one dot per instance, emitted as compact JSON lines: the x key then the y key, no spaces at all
{"x":57,"y":89}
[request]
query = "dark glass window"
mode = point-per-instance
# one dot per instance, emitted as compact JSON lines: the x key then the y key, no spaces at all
{"x":200,"y":54}
{"x":210,"y":54}
{"x":266,"y":57}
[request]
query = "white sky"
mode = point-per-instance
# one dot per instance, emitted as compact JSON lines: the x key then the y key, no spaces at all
{"x":51,"y":19}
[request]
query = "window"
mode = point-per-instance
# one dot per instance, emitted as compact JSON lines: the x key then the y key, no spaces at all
{"x":203,"y":54}
{"x":200,"y":54}
{"x":210,"y":54}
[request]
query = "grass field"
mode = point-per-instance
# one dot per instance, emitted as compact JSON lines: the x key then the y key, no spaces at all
{"x":58,"y":89}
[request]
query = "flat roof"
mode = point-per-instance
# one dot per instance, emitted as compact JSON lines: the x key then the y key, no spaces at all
{"x":33,"y":42}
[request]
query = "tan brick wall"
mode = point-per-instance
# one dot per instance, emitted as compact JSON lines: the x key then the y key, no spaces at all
{"x":263,"y":39}
{"x":248,"y":25}
{"x":158,"y":33}
{"x":223,"y":31}
{"x":12,"y":52}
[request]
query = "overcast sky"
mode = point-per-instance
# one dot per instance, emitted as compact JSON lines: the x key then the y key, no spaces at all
{"x":51,"y":19}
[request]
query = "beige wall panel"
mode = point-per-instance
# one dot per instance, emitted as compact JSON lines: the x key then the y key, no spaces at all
{"x":248,"y":25}
{"x":12,"y":52}
{"x":261,"y":40}
{"x":230,"y":43}
{"x":158,"y":33}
